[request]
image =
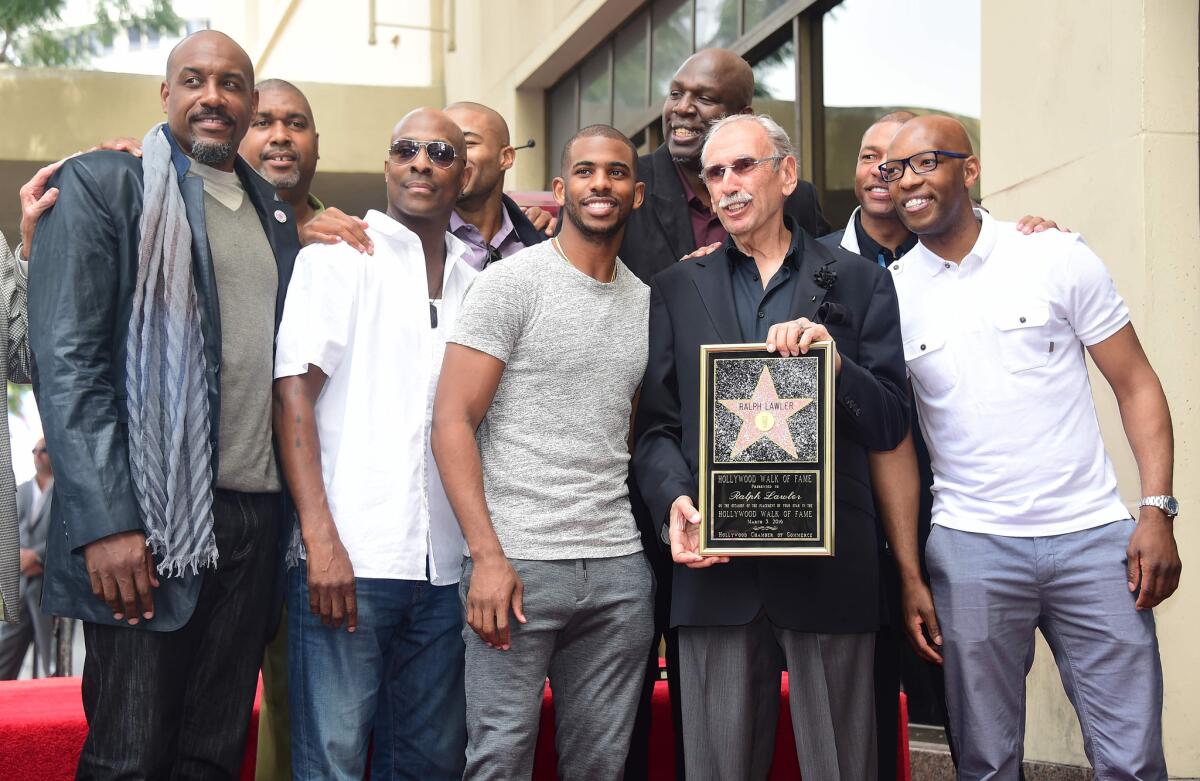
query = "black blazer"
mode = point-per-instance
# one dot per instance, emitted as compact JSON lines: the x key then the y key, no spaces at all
{"x":85,"y":255}
{"x":526,"y":233}
{"x":660,"y":232}
{"x":691,"y":304}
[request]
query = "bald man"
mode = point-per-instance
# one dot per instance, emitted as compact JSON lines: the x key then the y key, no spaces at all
{"x":491,"y":224}
{"x":677,"y":217}
{"x":157,"y":284}
{"x":374,"y":625}
{"x":995,"y":324}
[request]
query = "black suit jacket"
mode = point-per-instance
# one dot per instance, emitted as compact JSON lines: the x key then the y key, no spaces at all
{"x":691,"y":304}
{"x":660,"y":232}
{"x":526,"y":233}
{"x":81,"y":284}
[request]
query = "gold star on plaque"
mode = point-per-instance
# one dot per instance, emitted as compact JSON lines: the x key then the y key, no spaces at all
{"x":765,"y":415}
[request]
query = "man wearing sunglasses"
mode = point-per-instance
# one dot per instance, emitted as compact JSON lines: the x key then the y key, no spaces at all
{"x":375,"y":630}
{"x":740,"y":621}
{"x":1029,"y":528}
{"x":482,"y":209}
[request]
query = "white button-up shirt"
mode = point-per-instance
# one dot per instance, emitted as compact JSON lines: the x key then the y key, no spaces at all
{"x":364,"y":320}
{"x":994,"y":347}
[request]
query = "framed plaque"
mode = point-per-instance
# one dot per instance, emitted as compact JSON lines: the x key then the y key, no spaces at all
{"x":766,"y":451}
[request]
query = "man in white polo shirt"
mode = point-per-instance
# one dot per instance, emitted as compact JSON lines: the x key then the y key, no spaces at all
{"x":1029,"y":528}
{"x":358,"y":358}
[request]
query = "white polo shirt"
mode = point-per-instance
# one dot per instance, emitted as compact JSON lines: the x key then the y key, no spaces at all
{"x":364,"y":320}
{"x":995,"y":350}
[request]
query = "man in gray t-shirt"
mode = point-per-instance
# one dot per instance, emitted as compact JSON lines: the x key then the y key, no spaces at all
{"x":530,"y":433}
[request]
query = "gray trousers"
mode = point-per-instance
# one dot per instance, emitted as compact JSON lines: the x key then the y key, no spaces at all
{"x":991,"y":592}
{"x":33,"y":626}
{"x":729,"y":681}
{"x":589,"y":624}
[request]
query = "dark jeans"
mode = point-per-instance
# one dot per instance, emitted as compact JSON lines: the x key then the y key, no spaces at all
{"x":176,"y":705}
{"x":400,"y":674}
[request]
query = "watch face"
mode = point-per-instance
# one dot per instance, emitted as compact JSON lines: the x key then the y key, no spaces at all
{"x":1172,"y":507}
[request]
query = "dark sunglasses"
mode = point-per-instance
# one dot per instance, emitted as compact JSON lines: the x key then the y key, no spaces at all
{"x":713,"y":174}
{"x":440,"y":153}
{"x":37,"y":451}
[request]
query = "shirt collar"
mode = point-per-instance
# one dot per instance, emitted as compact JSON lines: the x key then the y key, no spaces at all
{"x":689,"y":192}
{"x":984,"y":244}
{"x":794,"y":253}
{"x":463,"y":230}
{"x":870,"y":249}
{"x":394,"y":230}
{"x":314,"y":204}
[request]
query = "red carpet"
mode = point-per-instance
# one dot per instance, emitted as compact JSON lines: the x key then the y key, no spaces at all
{"x":42,"y":729}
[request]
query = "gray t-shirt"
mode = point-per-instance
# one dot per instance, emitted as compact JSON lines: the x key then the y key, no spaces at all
{"x":554,"y":443}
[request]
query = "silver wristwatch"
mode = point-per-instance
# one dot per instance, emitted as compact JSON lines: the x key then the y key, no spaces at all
{"x":1168,"y":504}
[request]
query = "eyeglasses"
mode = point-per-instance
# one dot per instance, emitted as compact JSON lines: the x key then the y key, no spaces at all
{"x":921,"y":163}
{"x":37,"y":451}
{"x":440,"y":153}
{"x":741,"y":166}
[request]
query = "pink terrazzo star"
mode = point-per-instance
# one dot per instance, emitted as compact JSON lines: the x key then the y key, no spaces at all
{"x":765,"y":415}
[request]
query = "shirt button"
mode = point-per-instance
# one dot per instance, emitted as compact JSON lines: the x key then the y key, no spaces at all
{"x":922,"y":347}
{"x":1022,"y":319}
{"x":947,"y":265}
{"x":761,"y":315}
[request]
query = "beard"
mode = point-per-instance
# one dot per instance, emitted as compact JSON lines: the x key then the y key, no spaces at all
{"x":211,"y":153}
{"x":281,"y":181}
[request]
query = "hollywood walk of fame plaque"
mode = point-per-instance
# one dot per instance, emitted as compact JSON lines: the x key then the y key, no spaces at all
{"x":766,"y":451}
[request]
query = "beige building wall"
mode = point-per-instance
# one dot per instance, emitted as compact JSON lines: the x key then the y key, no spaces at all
{"x":508,"y":52}
{"x":1090,"y":117}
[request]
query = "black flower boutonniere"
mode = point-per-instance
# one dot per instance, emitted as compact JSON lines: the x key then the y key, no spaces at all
{"x":825,"y":277}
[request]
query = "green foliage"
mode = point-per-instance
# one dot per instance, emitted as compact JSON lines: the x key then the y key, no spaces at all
{"x":14,"y":398}
{"x":28,"y":36}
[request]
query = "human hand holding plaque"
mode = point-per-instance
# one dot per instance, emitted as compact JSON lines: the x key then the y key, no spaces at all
{"x":766,"y":460}
{"x":684,"y":533}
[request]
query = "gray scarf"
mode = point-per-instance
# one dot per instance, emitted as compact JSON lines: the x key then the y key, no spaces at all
{"x":170,"y":458}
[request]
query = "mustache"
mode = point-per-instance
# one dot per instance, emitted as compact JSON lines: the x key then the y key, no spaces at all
{"x":278,"y":150}
{"x":734,"y":198}
{"x":211,"y":113}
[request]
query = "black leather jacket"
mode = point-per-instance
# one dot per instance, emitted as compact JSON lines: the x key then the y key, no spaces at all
{"x":82,"y":274}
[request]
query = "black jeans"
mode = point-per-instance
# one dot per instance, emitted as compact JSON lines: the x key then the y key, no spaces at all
{"x":176,"y":705}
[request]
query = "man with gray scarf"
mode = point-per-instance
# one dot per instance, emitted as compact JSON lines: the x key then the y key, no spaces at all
{"x":157,"y":286}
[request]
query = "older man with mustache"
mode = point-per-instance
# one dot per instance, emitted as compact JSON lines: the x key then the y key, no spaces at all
{"x":740,"y":621}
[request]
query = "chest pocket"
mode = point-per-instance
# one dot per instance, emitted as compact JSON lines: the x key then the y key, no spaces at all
{"x":1023,"y":334}
{"x":930,"y":363}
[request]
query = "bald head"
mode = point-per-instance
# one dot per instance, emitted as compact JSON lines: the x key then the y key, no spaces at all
{"x":479,"y":119}
{"x":431,"y":124}
{"x":932,"y":188}
{"x":935,"y":132}
{"x":282,"y":87}
{"x":208,"y":96}
{"x":421,"y":190}
{"x":489,"y":151}
{"x":711,"y":84}
{"x":729,"y":69}
{"x":209,"y":42}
